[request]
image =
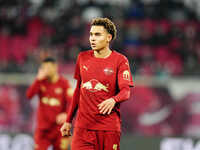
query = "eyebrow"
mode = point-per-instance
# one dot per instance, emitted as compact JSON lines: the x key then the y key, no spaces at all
{"x":96,"y":33}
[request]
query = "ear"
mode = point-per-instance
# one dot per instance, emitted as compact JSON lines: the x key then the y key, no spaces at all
{"x":109,"y":38}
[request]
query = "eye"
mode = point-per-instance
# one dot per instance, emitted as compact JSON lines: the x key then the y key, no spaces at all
{"x":97,"y":34}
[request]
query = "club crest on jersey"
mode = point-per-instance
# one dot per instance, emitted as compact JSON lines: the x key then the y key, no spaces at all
{"x":94,"y":86}
{"x":108,"y":71}
{"x":43,"y":88}
{"x":58,"y":90}
{"x":126,"y":75}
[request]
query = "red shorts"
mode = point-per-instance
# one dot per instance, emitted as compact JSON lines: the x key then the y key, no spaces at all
{"x":50,"y":137}
{"x":84,"y":139}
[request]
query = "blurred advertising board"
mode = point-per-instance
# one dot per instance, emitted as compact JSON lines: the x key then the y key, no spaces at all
{"x":129,"y":142}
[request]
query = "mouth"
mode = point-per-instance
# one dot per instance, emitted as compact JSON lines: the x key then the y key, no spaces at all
{"x":93,"y":45}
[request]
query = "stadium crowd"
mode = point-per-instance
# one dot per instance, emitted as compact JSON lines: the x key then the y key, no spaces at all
{"x":159,"y":40}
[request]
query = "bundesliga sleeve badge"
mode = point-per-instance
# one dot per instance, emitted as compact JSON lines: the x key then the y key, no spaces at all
{"x":126,"y":75}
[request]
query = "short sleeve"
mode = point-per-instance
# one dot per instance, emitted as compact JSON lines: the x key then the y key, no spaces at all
{"x":124,"y":73}
{"x":77,"y":69}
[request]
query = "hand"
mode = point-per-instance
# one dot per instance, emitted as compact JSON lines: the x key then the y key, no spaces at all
{"x":60,"y":118}
{"x":41,"y":74}
{"x":65,"y":129}
{"x":106,"y":106}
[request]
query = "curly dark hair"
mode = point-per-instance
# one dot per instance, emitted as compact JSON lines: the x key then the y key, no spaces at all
{"x":108,"y":25}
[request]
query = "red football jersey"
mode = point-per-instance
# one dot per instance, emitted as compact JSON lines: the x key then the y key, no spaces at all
{"x":54,"y":99}
{"x":101,"y":79}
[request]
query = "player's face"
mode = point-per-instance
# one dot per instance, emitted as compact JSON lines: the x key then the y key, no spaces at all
{"x":49,"y":68}
{"x":99,"y":38}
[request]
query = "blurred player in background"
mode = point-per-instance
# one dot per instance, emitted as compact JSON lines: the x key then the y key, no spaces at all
{"x":55,"y":94}
{"x":103,"y":82}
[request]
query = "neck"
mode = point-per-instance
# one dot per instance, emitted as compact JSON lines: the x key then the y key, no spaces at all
{"x":54,"y":78}
{"x":104,"y":53}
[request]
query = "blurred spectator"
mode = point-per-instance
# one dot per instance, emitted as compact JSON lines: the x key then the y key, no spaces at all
{"x":9,"y":108}
{"x":192,"y":125}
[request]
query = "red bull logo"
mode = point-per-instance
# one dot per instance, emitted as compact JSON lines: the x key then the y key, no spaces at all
{"x":94,"y":86}
{"x":50,"y":101}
